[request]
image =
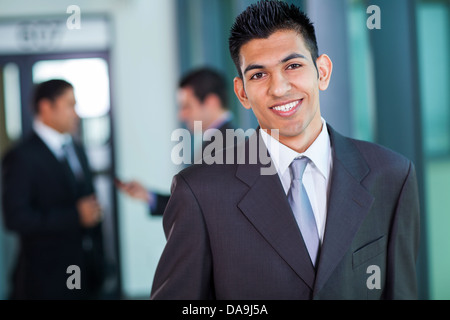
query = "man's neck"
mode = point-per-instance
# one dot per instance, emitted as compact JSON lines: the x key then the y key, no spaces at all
{"x":220,"y":118}
{"x":301,"y":142}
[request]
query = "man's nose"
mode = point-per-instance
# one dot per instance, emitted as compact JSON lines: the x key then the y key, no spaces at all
{"x":279,"y":85}
{"x":76,"y":117}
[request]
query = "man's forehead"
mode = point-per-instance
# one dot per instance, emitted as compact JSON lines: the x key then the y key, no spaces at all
{"x":67,"y":94}
{"x":184,"y":92}
{"x":277,"y":47}
{"x":186,"y":95}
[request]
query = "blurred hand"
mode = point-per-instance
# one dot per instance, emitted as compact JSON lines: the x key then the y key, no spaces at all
{"x":134,"y":189}
{"x":89,"y":210}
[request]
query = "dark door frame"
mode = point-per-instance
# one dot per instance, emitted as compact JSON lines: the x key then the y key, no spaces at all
{"x":25,"y":64}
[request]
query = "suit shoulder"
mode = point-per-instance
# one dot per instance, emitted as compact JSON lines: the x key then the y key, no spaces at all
{"x":210,"y":173}
{"x":375,"y":155}
{"x":380,"y":156}
{"x":221,"y":163}
{"x":20,"y":149}
{"x":204,"y":172}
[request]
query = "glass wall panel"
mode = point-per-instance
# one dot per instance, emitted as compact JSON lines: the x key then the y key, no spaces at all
{"x":361,"y":74}
{"x":434,"y":49}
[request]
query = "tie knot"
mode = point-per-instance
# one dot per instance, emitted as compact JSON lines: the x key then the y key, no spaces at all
{"x":66,"y":144}
{"x":65,"y":148}
{"x":298,"y":167}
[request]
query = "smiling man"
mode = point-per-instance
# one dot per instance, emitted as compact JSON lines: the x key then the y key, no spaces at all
{"x":339,"y":219}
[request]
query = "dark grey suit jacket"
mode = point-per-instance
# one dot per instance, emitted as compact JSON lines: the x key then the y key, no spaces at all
{"x":231,"y":233}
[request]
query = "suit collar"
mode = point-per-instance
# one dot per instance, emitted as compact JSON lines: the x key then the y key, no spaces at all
{"x":319,"y":152}
{"x":52,"y":138}
{"x":346,"y":152}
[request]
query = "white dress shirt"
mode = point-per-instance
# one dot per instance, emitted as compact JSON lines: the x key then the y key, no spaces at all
{"x":52,"y":138}
{"x":316,"y":177}
{"x":55,"y":142}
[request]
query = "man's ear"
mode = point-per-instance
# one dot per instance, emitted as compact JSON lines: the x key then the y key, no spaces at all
{"x":212,"y":99}
{"x":325,"y":68}
{"x":45,"y":107}
{"x":45,"y":111}
{"x":239,"y":90}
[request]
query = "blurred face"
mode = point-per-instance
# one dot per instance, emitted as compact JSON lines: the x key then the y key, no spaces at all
{"x":191,"y":109}
{"x":60,"y":114}
{"x":281,"y":85}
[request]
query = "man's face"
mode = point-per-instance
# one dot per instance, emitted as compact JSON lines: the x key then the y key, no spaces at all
{"x":281,"y":85}
{"x":60,"y":114}
{"x":191,"y":109}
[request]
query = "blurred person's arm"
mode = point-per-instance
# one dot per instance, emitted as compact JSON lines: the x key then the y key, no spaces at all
{"x":156,"y":202}
{"x":135,"y":190}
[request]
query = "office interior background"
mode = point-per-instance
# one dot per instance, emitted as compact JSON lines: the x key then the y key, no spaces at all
{"x":389,"y":86}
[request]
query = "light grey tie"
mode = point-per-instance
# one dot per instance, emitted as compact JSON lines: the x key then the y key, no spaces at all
{"x":72,"y":159}
{"x":299,"y":201}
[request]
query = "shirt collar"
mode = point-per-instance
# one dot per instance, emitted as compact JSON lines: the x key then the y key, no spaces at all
{"x":319,"y":152}
{"x":52,"y":138}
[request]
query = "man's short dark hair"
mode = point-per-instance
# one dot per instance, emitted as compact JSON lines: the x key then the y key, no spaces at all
{"x":206,"y":81}
{"x":261,"y":20}
{"x":50,"y":90}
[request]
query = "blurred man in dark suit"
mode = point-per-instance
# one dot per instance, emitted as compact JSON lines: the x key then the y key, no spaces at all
{"x":202,"y":97}
{"x":49,"y":201}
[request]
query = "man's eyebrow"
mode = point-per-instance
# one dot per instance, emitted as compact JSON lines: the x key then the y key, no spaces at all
{"x":253,"y":67}
{"x":293,"y":56}
{"x":289,"y":57}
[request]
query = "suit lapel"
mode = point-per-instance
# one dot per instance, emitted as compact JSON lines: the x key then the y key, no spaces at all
{"x":267,"y":208}
{"x":62,"y":170}
{"x":348,"y":204}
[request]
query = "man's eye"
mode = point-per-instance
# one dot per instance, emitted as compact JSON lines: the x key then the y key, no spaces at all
{"x":294,"y":66}
{"x":257,"y":76}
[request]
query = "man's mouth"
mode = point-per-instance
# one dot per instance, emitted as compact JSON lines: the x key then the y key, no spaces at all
{"x":287,"y":109}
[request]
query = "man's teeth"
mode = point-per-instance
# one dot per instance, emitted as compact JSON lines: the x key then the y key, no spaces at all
{"x":286,"y":107}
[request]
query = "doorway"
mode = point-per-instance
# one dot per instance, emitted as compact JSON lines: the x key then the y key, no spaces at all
{"x":90,"y":75}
